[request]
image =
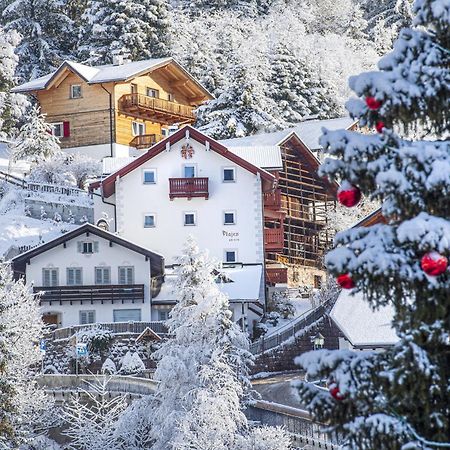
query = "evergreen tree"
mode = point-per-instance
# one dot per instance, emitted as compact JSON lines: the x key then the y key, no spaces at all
{"x":399,"y":398}
{"x":47,"y":35}
{"x":136,"y":29}
{"x":35,"y":140}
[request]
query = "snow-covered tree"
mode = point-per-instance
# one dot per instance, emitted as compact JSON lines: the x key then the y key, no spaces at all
{"x":47,"y":35}
{"x":93,"y":416}
{"x":82,"y":167}
{"x":23,"y":403}
{"x":131,"y":363}
{"x":12,"y":106}
{"x":202,"y":368}
{"x":399,"y":398}
{"x":265,"y":438}
{"x":132,"y":28}
{"x":35,"y":140}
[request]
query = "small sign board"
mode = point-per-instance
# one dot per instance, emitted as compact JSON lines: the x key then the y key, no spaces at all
{"x":81,"y":350}
{"x":42,"y":346}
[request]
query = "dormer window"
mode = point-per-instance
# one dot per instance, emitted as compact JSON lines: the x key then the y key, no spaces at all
{"x":75,"y":91}
{"x":87,"y":247}
{"x":152,"y":93}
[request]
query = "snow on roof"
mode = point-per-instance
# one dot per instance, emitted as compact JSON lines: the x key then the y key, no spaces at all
{"x":34,"y":85}
{"x":362,"y":326}
{"x":309,"y":132}
{"x":111,"y":164}
{"x":265,"y":157}
{"x":243,"y":283}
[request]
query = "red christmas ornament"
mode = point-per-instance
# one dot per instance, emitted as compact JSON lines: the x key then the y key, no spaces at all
{"x":434,"y":264}
{"x":335,"y":393}
{"x":372,"y":103}
{"x":345,"y":281}
{"x":379,"y":126}
{"x":348,"y":194}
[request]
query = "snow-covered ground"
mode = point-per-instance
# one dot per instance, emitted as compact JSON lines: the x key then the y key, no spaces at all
{"x":18,"y":168}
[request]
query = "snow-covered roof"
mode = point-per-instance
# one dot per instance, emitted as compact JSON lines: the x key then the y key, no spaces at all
{"x":243,"y":284}
{"x":265,"y":157}
{"x":105,"y":73}
{"x":111,"y":164}
{"x":362,"y":326}
{"x":309,"y":132}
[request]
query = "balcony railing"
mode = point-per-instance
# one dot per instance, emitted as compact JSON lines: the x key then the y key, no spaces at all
{"x":188,"y":187}
{"x":276,"y":275}
{"x":274,"y":239}
{"x":91,"y":293}
{"x":156,"y":109}
{"x":145,"y":140}
{"x":272,"y":200}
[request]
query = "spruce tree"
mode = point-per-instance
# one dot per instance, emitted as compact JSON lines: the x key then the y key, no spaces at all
{"x":397,"y":399}
{"x":136,"y":29}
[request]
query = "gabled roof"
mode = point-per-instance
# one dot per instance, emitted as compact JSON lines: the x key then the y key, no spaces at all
{"x":373,"y":218}
{"x":156,"y":260}
{"x":108,"y":73}
{"x":266,"y":157}
{"x":108,"y":184}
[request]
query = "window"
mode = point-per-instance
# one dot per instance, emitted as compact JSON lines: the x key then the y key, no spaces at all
{"x":102,"y":275}
{"x":50,"y":277}
{"x":149,"y":221}
{"x":87,"y":317}
{"x":87,"y":247}
{"x":134,"y":88}
{"x":152,"y":93}
{"x":230,"y":256}
{"x":75,"y":91}
{"x":229,"y":218}
{"x":170,"y":96}
{"x":229,"y":174}
{"x":58,"y":129}
{"x":149,"y":176}
{"x":317,"y":281}
{"x":138,"y":128}
{"x":189,"y":218}
{"x":126,"y":275}
{"x":163,"y":314}
{"x":189,"y":171}
{"x":74,"y":276}
{"x":127,"y":315}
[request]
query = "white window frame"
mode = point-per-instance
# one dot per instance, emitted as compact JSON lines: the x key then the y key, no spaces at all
{"x":136,"y":128}
{"x":75,"y":278}
{"x":185,"y":213}
{"x":144,"y":171}
{"x":234,"y":174}
{"x":154,"y":220}
{"x":156,"y":91}
{"x":87,"y":312}
{"x":103,"y":269}
{"x":44,"y":269}
{"x":71,"y":91}
{"x":61,"y":127}
{"x":127,"y":309}
{"x":190,"y":165}
{"x":228,"y":250}
{"x":234,"y":217}
{"x":128,"y":282}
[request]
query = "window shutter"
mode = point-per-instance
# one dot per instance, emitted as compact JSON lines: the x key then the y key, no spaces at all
{"x":98,"y":276}
{"x":70,"y":276}
{"x":83,"y":318}
{"x":80,"y":247}
{"x":46,"y":278}
{"x":122,"y":277}
{"x":106,"y":276}
{"x":96,"y":246}
{"x":66,"y":127}
{"x":130,"y":275}
{"x":78,"y":279}
{"x":54,"y":277}
{"x":91,"y":316}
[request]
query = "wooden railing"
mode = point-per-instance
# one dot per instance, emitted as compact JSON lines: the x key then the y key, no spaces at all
{"x":275,"y":275}
{"x":272,"y":200}
{"x":145,"y":140}
{"x":91,"y":293}
{"x":188,"y":187}
{"x":274,"y":238}
{"x":136,"y":102}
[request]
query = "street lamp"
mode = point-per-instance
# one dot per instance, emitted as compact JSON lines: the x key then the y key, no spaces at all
{"x":318,"y":341}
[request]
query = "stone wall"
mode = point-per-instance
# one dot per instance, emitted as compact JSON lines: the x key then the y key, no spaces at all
{"x":68,"y":212}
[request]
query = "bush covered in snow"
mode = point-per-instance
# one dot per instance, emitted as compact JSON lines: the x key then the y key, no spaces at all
{"x":132,"y":364}
{"x":109,"y":367}
{"x":281,"y":304}
{"x":97,"y":338}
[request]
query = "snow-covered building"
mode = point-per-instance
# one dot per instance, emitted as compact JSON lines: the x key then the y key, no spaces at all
{"x":89,"y":275}
{"x":112,"y":110}
{"x":362,"y":327}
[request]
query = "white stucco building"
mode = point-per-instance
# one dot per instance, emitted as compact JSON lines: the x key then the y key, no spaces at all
{"x":90,"y":275}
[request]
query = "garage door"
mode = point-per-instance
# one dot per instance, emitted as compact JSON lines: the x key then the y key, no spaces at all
{"x":127,"y":315}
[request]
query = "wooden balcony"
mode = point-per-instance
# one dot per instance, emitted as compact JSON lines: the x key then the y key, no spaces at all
{"x":188,"y":187}
{"x":156,"y":109}
{"x":274,"y":239}
{"x":276,"y":275}
{"x":145,"y":140}
{"x":118,"y":293}
{"x":272,"y":200}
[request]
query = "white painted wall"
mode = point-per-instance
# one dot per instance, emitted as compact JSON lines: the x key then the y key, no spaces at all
{"x":134,"y":199}
{"x":100,"y":151}
{"x":112,"y":257}
{"x":104,"y":210}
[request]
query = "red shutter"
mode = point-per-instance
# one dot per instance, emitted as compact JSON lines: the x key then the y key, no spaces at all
{"x":66,"y":126}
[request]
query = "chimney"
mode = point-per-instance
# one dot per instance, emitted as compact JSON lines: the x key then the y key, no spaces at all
{"x":117,"y":59}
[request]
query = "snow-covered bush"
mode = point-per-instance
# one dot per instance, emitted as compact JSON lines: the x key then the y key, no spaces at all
{"x":97,"y":338}
{"x":281,"y":304}
{"x":132,"y":364}
{"x":108,"y":367}
{"x":265,"y":438}
{"x":82,"y":167}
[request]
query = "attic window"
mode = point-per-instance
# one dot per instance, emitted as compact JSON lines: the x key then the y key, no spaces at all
{"x":75,"y":91}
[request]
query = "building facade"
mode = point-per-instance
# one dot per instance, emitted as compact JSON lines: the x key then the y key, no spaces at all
{"x":114,"y":110}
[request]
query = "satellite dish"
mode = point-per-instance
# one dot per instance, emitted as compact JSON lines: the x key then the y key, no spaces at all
{"x":103,"y":224}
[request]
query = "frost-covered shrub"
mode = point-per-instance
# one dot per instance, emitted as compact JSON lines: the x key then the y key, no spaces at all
{"x":132,"y":364}
{"x":260,"y":329}
{"x":109,"y":367}
{"x":265,"y":438}
{"x":272,"y":318}
{"x":52,"y":171}
{"x":98,"y":339}
{"x":281,"y":304}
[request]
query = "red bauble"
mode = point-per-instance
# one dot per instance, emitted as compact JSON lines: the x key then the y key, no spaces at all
{"x":379,"y":126}
{"x":345,"y":281}
{"x":434,"y":264}
{"x":372,"y":103}
{"x":336,"y":394}
{"x":348,"y":195}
